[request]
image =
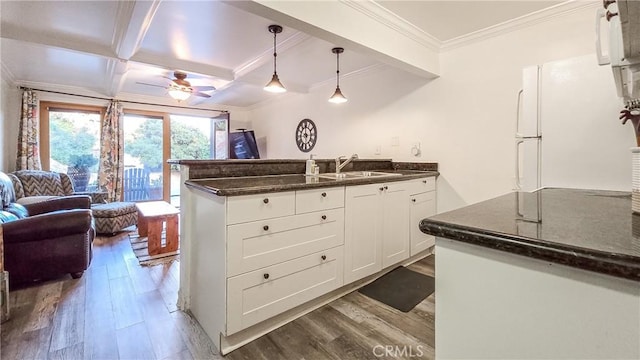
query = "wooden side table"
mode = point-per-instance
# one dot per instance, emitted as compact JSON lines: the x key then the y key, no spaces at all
{"x":152,"y":217}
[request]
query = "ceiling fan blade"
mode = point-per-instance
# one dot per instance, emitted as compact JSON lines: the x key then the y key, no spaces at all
{"x":200,"y":94}
{"x":203,"y":88}
{"x":141,"y":83}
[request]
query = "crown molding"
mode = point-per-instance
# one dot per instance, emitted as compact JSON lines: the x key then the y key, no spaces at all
{"x":7,"y":74}
{"x":391,"y":20}
{"x":518,"y":23}
{"x":367,"y":70}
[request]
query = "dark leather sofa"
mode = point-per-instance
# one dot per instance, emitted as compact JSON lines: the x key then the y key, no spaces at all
{"x":46,"y":239}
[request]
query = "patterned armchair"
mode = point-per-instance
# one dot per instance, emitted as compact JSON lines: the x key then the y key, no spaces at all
{"x":34,"y":186}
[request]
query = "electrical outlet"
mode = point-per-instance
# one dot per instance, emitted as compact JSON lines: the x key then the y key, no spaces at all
{"x":378,"y":150}
{"x":395,"y":141}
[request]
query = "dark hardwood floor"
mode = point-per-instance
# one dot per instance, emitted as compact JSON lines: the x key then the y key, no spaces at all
{"x":121,"y":310}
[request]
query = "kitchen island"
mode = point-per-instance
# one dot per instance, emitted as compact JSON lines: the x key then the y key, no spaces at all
{"x":262,"y":244}
{"x":549,"y":274}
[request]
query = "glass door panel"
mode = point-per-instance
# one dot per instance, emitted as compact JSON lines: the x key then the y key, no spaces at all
{"x":143,"y":158}
{"x":74,"y":146}
{"x":194,"y":137}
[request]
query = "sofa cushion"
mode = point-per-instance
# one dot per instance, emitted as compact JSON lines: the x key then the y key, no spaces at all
{"x":37,"y":183}
{"x":35,"y":199}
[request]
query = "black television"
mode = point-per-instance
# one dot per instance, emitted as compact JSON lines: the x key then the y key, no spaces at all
{"x":242,"y":145}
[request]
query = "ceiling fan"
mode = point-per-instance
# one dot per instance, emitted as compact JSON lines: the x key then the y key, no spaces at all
{"x":180,"y":89}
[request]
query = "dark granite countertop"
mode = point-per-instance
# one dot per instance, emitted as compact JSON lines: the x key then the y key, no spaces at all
{"x":587,"y":229}
{"x":246,"y":185}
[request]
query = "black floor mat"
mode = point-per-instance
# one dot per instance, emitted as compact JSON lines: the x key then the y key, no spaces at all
{"x":401,"y":288}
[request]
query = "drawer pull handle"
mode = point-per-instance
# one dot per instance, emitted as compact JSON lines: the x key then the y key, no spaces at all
{"x":323,"y":257}
{"x":381,"y":189}
{"x":424,"y":181}
{"x":324,"y":194}
{"x":324,"y":217}
{"x":414,"y":200}
{"x":266,"y":227}
{"x":266,"y":200}
{"x":386,"y":187}
{"x":266,"y":276}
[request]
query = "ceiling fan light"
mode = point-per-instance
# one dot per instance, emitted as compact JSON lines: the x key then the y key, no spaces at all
{"x":337,"y":97}
{"x":179,"y":94}
{"x":275,"y":86}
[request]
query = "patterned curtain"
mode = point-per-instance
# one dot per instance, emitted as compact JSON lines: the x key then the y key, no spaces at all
{"x":111,"y":168}
{"x":28,"y":138}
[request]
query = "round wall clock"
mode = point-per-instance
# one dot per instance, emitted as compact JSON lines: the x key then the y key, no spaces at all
{"x":306,"y":135}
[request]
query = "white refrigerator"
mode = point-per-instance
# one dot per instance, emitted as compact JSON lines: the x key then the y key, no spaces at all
{"x":567,"y":129}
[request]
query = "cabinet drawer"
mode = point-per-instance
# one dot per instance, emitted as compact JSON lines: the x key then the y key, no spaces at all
{"x":422,"y":185}
{"x":262,"y":206}
{"x":257,"y":244}
{"x":261,"y":294}
{"x":319,"y":199}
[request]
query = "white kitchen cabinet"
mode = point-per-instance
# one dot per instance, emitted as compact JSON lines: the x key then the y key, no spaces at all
{"x":261,"y":294}
{"x":363,"y":231}
{"x":376,"y":228}
{"x":395,"y":224}
{"x":422,"y":196}
{"x":422,"y":206}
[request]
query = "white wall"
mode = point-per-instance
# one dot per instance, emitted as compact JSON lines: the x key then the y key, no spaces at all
{"x":464,"y":120}
{"x":9,"y":121}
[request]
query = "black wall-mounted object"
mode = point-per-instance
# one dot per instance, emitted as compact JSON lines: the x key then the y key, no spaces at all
{"x":242,"y":145}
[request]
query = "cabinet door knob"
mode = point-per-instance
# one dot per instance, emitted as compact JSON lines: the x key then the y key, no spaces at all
{"x":424,"y":181}
{"x":266,"y":227}
{"x":323,"y":257}
{"x":386,"y":187}
{"x":324,"y":217}
{"x":381,"y":189}
{"x":266,"y":200}
{"x":266,"y":276}
{"x":324,"y":194}
{"x":414,"y":200}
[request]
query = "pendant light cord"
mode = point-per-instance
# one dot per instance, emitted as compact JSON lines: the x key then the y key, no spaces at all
{"x":338,"y":69}
{"x":275,"y":53}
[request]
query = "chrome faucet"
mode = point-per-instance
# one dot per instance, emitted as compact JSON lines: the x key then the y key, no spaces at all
{"x":340,"y":166}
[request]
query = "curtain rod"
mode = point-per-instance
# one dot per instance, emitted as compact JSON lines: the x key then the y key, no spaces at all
{"x":124,"y":101}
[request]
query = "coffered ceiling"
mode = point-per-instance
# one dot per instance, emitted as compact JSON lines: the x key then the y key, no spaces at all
{"x":107,"y":48}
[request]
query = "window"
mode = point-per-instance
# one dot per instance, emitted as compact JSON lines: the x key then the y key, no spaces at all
{"x":71,"y":142}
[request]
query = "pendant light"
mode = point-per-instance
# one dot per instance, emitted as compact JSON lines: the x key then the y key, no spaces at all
{"x":337,"y":97}
{"x":275,"y":86}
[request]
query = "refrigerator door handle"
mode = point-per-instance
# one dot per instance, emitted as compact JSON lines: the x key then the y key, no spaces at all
{"x":518,"y":112}
{"x":518,"y":184}
{"x":602,"y":58}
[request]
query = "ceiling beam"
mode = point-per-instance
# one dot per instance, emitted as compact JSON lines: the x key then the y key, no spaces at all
{"x":172,"y":63}
{"x":51,"y":39}
{"x":133,"y":20}
{"x":340,"y":22}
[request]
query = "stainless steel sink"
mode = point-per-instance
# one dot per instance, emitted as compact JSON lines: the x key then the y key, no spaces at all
{"x":355,"y":175}
{"x":371,"y":173}
{"x":339,"y":176}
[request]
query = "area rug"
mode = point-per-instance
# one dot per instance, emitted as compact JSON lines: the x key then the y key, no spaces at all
{"x":140,"y":247}
{"x":401,"y":288}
